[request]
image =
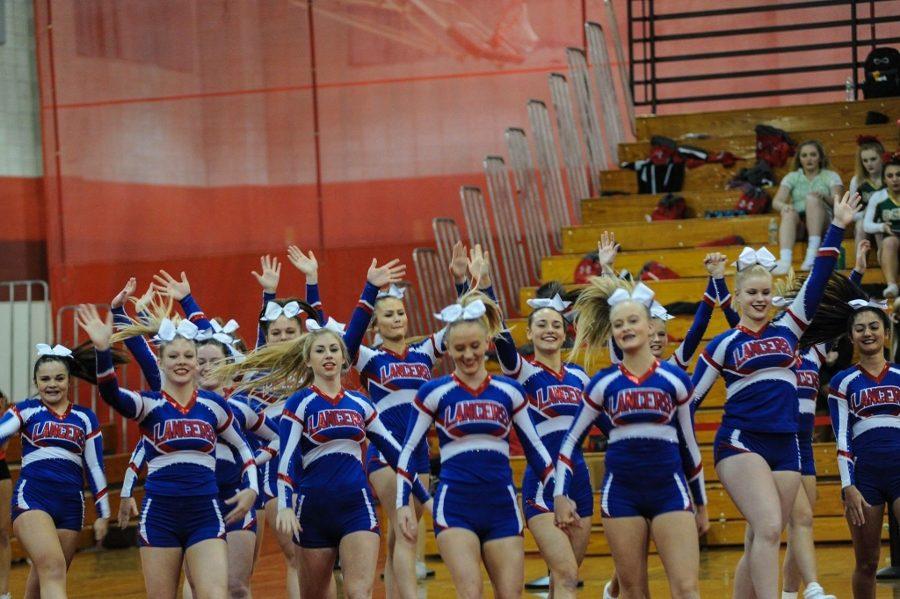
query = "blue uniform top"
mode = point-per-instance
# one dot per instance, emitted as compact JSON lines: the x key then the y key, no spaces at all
{"x":59,"y":448}
{"x":229,"y":467}
{"x":473,"y":431}
{"x":553,"y":397}
{"x":321,"y":437}
{"x":759,"y":367}
{"x":181,"y":440}
{"x":865,"y":415}
{"x":651,"y":420}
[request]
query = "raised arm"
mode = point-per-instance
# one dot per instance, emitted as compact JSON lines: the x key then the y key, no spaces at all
{"x":377,"y":277}
{"x":309,"y":266}
{"x":723,"y":296}
{"x":859,"y":269}
{"x":127,"y":403}
{"x":685,"y":351}
{"x":93,"y":466}
{"x":180,"y":291}
{"x":268,"y":280}
{"x":800,"y":313}
{"x":138,"y":345}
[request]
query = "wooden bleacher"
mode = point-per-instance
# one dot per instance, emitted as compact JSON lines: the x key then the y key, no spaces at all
{"x":673,"y":243}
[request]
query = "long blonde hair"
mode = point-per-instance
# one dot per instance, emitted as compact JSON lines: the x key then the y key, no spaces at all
{"x":592,"y":323}
{"x":280,"y":368}
{"x":148,"y":323}
{"x":868,"y":143}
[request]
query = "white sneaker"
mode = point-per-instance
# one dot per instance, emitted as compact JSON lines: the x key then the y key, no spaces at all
{"x":606,"y":590}
{"x":781,"y":268}
{"x":423,"y":571}
{"x":890,"y":291}
{"x":815,"y":591}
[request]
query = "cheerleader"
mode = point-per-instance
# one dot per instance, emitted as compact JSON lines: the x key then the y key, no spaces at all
{"x":864,"y":401}
{"x":716,"y":290}
{"x":756,"y":449}
{"x":554,"y":390}
{"x":392,"y":372}
{"x":476,"y":512}
{"x":181,"y":516}
{"x":645,"y":405}
{"x":215,"y":345}
{"x":320,"y":445}
{"x":61,"y":446}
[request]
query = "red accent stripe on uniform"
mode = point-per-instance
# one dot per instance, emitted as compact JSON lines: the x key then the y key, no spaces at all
{"x":99,"y":495}
{"x":133,"y":468}
{"x":547,"y":472}
{"x":829,"y":251}
{"x":106,"y":376}
{"x":590,"y":402}
{"x":93,"y":434}
{"x":566,"y":461}
{"x":796,"y":318}
{"x":247,"y":464}
{"x":227,"y":424}
{"x":405,"y":474}
{"x":521,"y":406}
{"x":708,"y":300}
{"x":422,"y":407}
{"x":285,"y":478}
{"x":292,"y":416}
{"x":845,"y":454}
{"x":709,"y":359}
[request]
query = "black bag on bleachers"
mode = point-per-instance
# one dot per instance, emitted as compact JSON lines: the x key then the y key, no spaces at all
{"x":882,"y":71}
{"x":663,"y":171}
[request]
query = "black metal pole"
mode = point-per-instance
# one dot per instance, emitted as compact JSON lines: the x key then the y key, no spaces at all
{"x":631,"y":49}
{"x":652,"y":22}
{"x":854,"y":50}
{"x":892,"y":572}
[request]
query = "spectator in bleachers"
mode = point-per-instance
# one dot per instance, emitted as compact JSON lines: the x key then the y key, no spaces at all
{"x":869,"y":175}
{"x":805,"y":199}
{"x":882,"y":219}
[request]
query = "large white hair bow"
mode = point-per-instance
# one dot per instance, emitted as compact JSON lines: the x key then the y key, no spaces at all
{"x":458,"y":312}
{"x":331,"y":325}
{"x":221,"y":333}
{"x":640,"y":294}
{"x":60,"y":351}
{"x":556,"y":302}
{"x":274,"y":310}
{"x":657,"y":310}
{"x":750,"y":257}
{"x":168,"y":331}
{"x":392,"y":291}
{"x":859,"y":304}
{"x":781,"y":302}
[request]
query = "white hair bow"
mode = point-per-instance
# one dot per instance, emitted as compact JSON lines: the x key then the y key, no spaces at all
{"x":556,"y":302}
{"x":750,"y":257}
{"x":657,"y":310}
{"x":458,"y":312}
{"x":60,"y":351}
{"x":168,"y":331}
{"x":392,"y":291}
{"x":222,"y":334}
{"x":331,"y":325}
{"x":640,"y":294}
{"x":274,"y":310}
{"x":859,"y":304}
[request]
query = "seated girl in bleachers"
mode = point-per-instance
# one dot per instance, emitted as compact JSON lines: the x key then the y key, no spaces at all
{"x":869,"y":176}
{"x":882,"y":219}
{"x":805,"y":198}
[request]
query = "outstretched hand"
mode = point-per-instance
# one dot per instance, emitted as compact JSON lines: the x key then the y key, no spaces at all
{"x":715,"y":264}
{"x":607,"y":248}
{"x":119,"y":300}
{"x":845,"y":208}
{"x":242,"y":501}
{"x":480,"y":266}
{"x":308,"y":265}
{"x":270,"y":275}
{"x":458,"y":263}
{"x":172,"y":287}
{"x":98,"y":329}
{"x":384,"y":275}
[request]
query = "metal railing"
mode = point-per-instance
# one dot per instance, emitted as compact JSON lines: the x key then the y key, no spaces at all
{"x":25,"y":321}
{"x":649,"y":37}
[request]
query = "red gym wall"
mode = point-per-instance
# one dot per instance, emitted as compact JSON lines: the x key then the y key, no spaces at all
{"x":183,"y":134}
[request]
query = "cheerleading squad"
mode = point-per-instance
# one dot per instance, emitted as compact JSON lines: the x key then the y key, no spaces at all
{"x":231,"y":438}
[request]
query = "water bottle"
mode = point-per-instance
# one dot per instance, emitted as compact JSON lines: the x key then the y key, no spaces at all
{"x":842,"y":259}
{"x":850,"y":90}
{"x":773,"y":232}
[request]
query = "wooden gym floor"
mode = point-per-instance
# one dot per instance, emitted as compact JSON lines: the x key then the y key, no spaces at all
{"x":117,"y":574}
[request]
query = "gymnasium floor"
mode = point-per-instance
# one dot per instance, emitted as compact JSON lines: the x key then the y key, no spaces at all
{"x":117,"y":574}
